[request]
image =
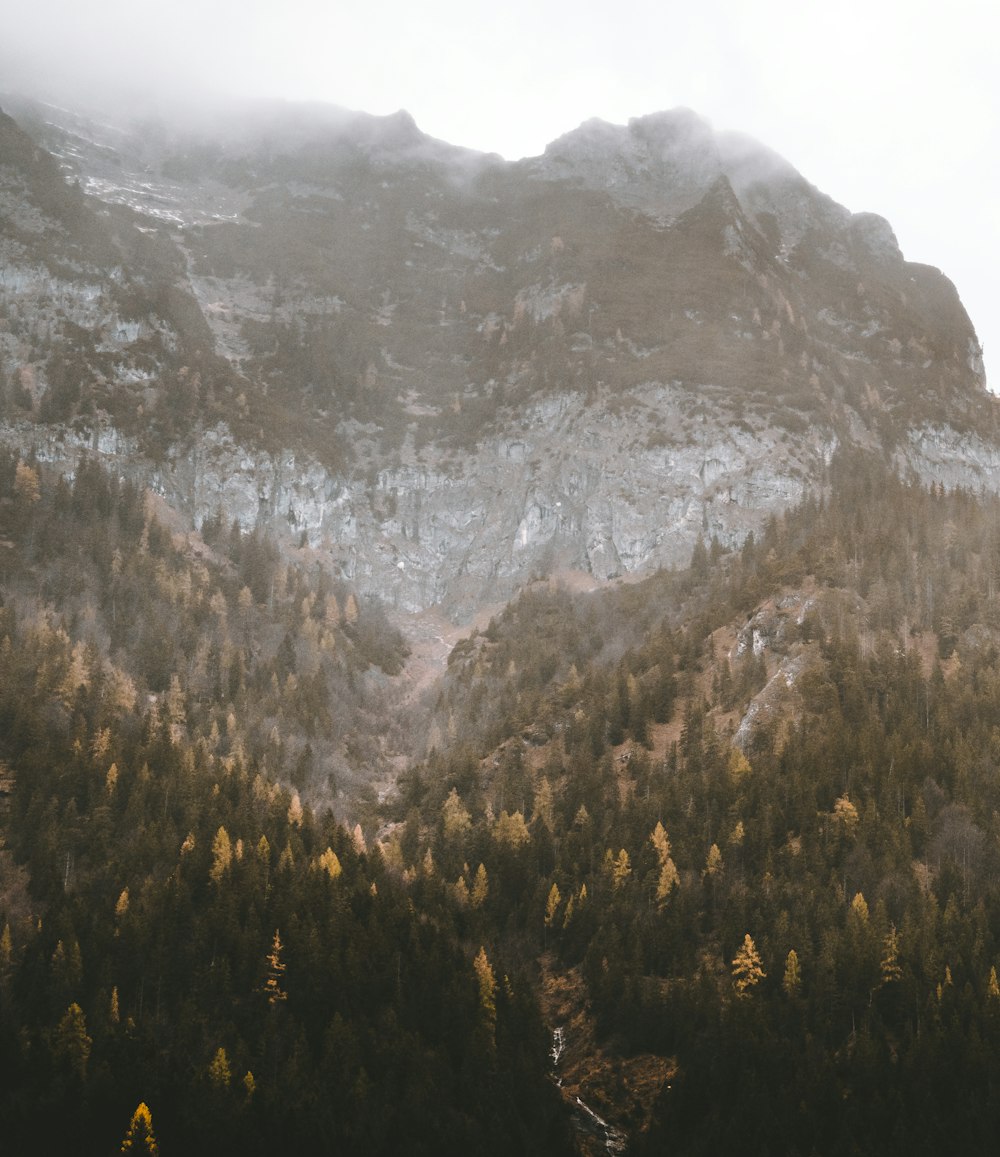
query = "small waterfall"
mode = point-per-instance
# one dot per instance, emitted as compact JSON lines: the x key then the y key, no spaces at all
{"x":585,"y":1120}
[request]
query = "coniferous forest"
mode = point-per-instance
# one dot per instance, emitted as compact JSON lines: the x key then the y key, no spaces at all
{"x":749,"y":812}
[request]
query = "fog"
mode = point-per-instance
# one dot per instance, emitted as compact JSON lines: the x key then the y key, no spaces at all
{"x":891,"y":108}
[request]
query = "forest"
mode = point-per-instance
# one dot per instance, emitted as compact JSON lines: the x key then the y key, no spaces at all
{"x":750,"y":809}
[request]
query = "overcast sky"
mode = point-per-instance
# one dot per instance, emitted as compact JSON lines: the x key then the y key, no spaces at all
{"x":889,"y":107}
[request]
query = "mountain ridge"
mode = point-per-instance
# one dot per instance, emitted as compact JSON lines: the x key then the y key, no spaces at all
{"x":446,"y":373}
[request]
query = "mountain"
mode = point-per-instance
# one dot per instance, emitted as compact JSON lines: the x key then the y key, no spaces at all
{"x":701,"y":861}
{"x":443,"y":374}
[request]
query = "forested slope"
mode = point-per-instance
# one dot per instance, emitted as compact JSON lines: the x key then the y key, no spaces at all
{"x":178,"y":930}
{"x":805,"y":920}
{"x":742,"y":819}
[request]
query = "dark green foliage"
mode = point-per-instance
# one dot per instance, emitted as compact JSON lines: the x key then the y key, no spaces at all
{"x":162,"y":857}
{"x":867,"y":810}
{"x":857,"y":827}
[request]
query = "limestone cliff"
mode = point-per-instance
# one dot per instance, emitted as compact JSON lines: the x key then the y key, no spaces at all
{"x":444,"y":374}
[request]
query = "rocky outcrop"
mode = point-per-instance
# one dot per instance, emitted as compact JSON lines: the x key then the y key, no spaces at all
{"x":444,"y":375}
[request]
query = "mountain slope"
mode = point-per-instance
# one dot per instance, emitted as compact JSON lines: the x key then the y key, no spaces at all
{"x":447,"y":373}
{"x":735,"y":822}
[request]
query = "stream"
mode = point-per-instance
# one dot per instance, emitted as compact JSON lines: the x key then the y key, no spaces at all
{"x":585,"y":1120}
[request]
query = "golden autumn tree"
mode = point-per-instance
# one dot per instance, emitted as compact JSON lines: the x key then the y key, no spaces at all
{"x":889,"y":966}
{"x":27,"y":488}
{"x":329,"y":862}
{"x":222,"y":855}
{"x":480,"y":887}
{"x":792,"y":980}
{"x":747,"y":968}
{"x":487,"y":992}
{"x":457,"y":822}
{"x":511,"y":831}
{"x":621,"y":868}
{"x":140,"y":1138}
{"x":552,"y":905}
{"x":219,"y":1072}
{"x":669,"y":877}
{"x":275,"y":972}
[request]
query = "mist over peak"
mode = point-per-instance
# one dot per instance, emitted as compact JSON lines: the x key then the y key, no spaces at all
{"x":390,"y":321}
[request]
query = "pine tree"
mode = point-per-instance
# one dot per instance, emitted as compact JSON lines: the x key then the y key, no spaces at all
{"x":544,"y":804}
{"x":621,"y":869}
{"x":714,"y":864}
{"x":480,"y":887}
{"x":792,"y":980}
{"x":140,"y":1138}
{"x":275,"y":972}
{"x":487,"y":992}
{"x":71,"y":1043}
{"x":295,"y":811}
{"x":222,"y":855}
{"x":358,"y":839}
{"x":329,"y":862}
{"x":552,"y":905}
{"x":456,"y":819}
{"x":669,"y":877}
{"x":511,"y":830}
{"x":219,"y":1073}
{"x":747,"y":969}
{"x":889,"y":966}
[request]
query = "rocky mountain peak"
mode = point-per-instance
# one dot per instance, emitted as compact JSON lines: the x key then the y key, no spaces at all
{"x":441,"y":373}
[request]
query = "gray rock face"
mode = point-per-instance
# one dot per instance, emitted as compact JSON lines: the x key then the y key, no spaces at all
{"x":444,"y":375}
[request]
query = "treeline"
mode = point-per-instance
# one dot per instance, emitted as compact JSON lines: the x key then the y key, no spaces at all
{"x":809,"y":920}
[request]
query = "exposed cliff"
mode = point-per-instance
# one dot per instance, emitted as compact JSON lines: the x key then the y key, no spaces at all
{"x":445,"y":374}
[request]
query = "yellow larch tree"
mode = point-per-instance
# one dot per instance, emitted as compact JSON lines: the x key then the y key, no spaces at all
{"x":480,"y":887}
{"x":222,"y":855}
{"x":621,"y":868}
{"x":487,"y":992}
{"x":456,"y":820}
{"x":511,"y":830}
{"x":669,"y":877}
{"x":140,"y":1138}
{"x":747,"y":968}
{"x":219,"y":1072}
{"x":329,"y":862}
{"x":889,"y":967}
{"x":792,"y":980}
{"x":552,"y":904}
{"x":275,"y":972}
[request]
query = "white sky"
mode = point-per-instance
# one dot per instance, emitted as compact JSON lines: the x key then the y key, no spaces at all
{"x":887,"y":106}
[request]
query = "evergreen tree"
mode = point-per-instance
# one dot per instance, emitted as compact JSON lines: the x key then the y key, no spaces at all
{"x":72,"y":1045}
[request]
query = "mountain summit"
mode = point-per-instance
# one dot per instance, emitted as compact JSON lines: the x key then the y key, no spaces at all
{"x":445,"y":373}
